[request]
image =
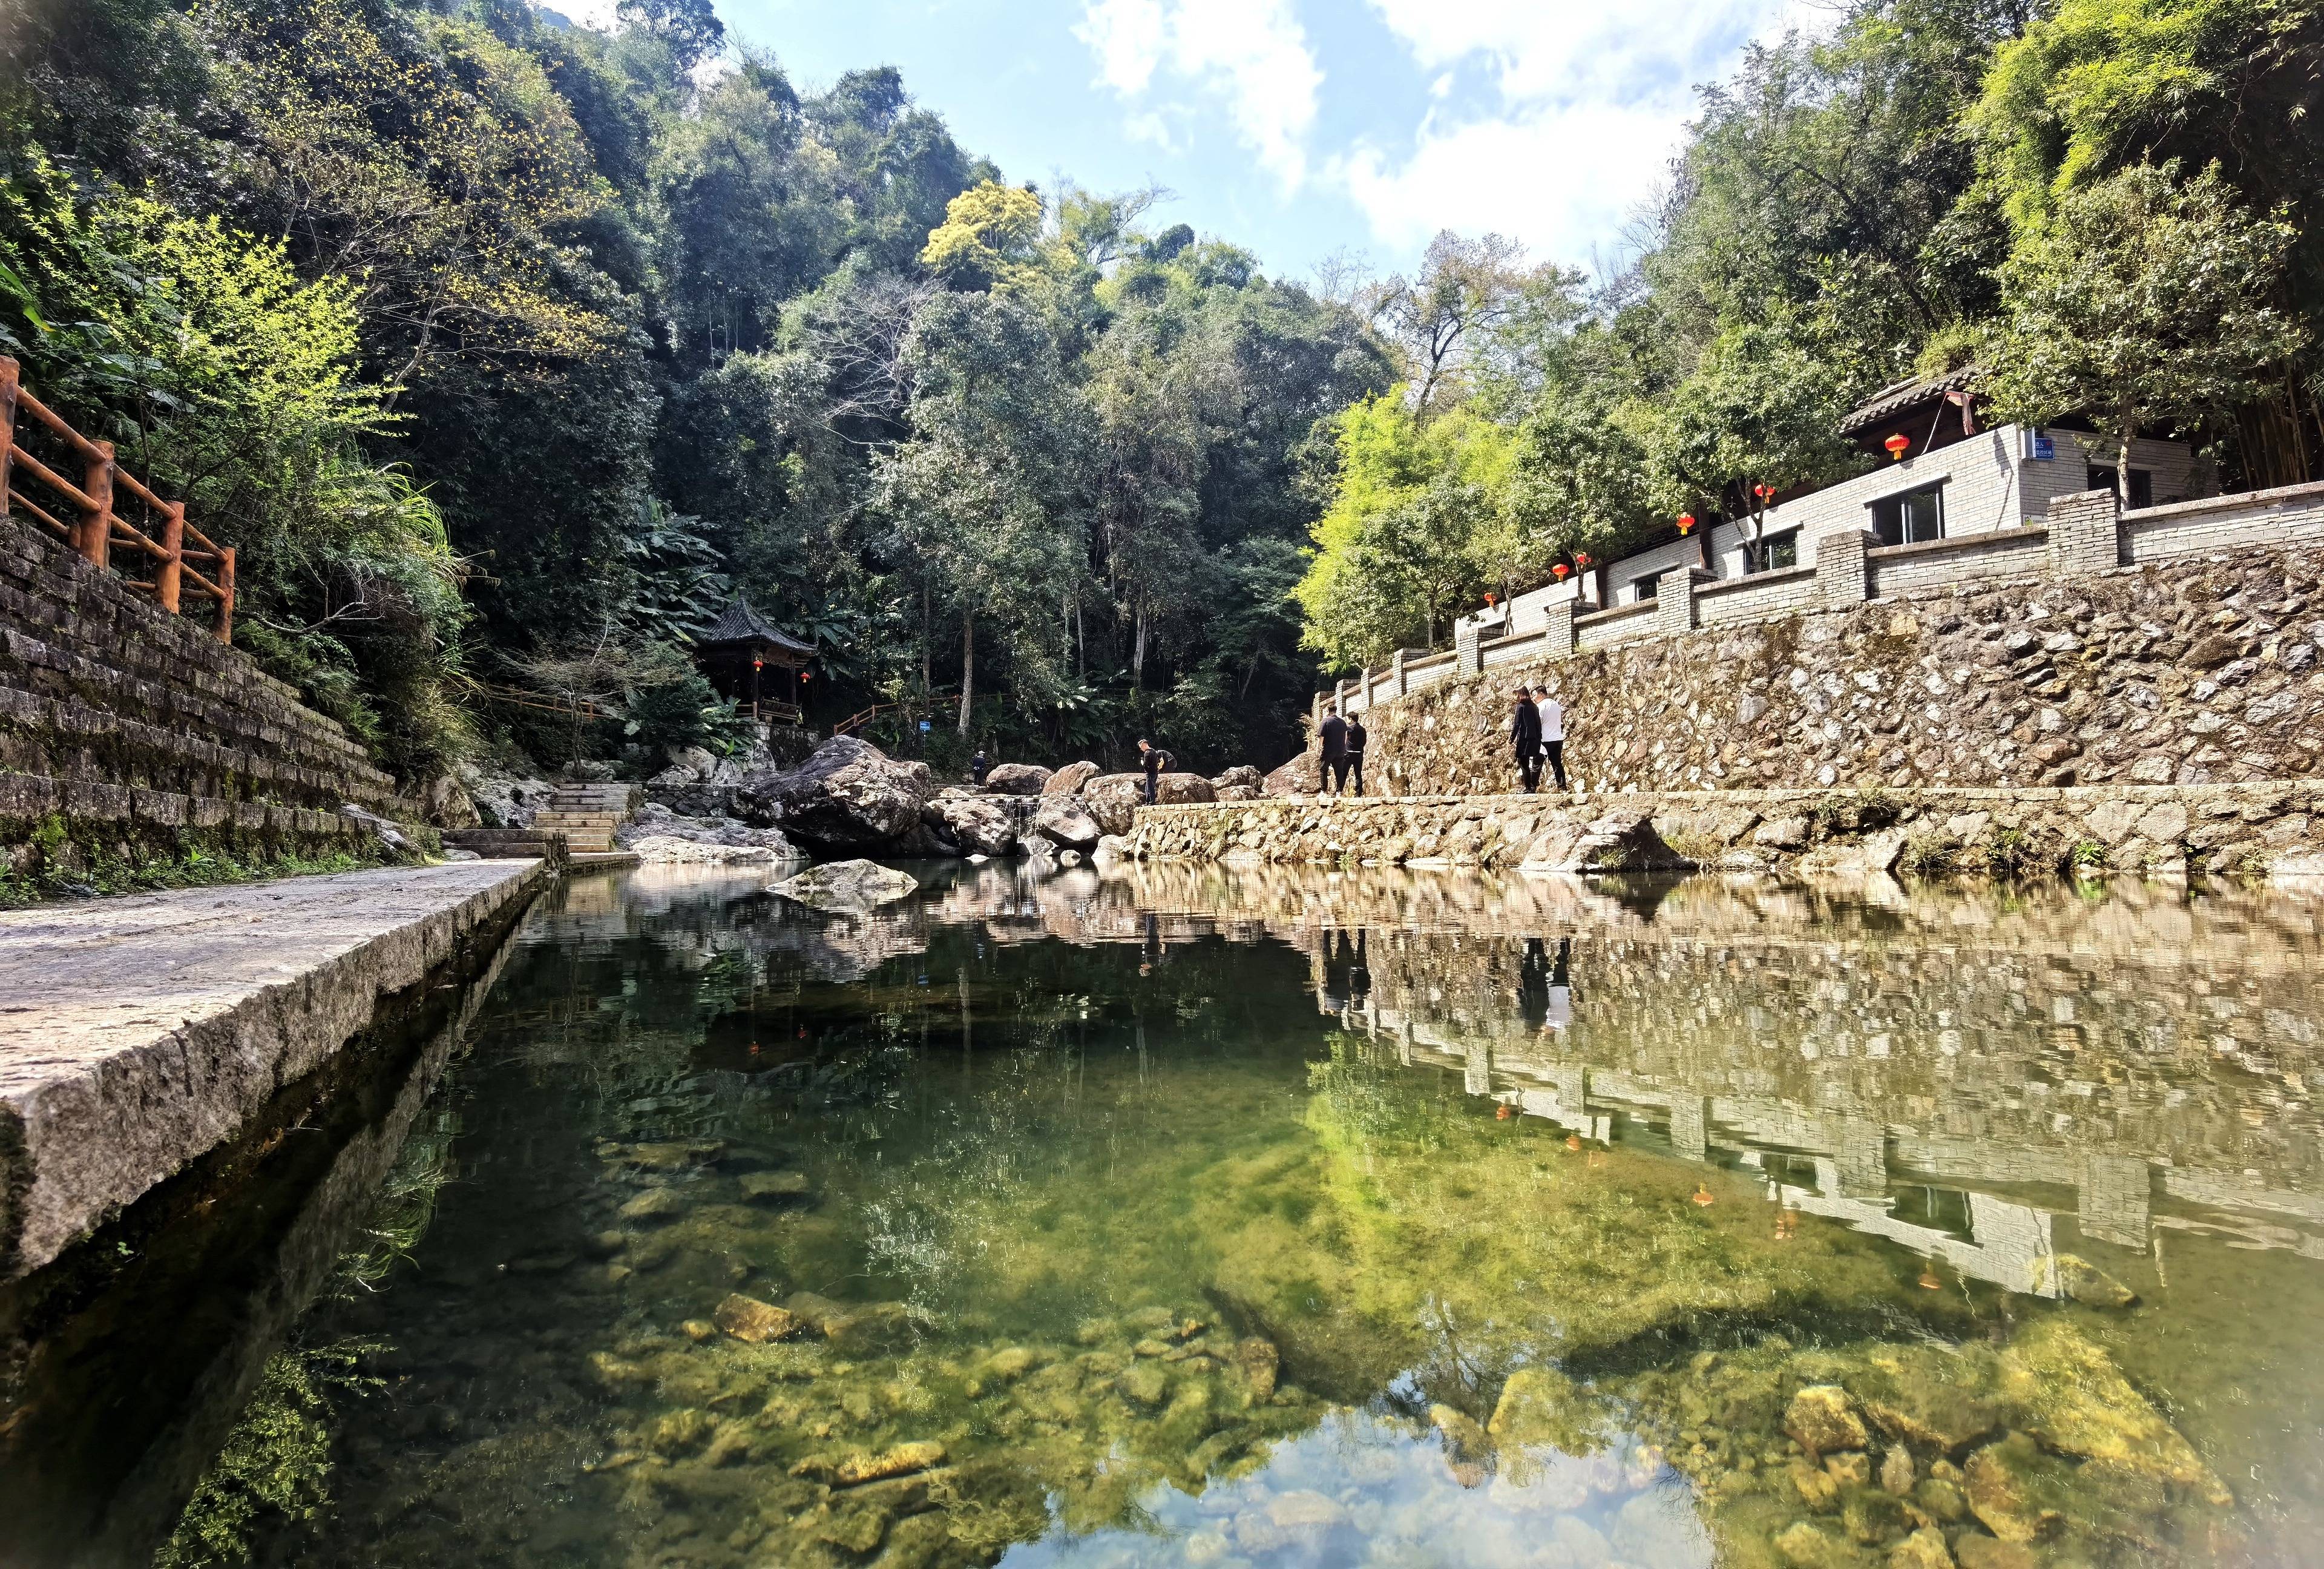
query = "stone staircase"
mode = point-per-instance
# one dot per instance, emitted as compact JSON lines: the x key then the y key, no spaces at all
{"x":129,"y":735}
{"x":586,"y":814}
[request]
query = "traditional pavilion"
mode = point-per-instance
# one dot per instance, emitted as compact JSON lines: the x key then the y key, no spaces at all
{"x":737,"y":654}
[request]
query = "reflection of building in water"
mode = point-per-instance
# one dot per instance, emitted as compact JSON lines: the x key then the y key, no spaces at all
{"x":1959,"y":1102}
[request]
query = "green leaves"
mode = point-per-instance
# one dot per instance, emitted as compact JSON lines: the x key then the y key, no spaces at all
{"x":2143,"y":298}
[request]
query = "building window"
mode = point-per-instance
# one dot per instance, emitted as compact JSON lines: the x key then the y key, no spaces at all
{"x":1914,"y":518}
{"x":1641,"y":589}
{"x":2142,"y":485}
{"x":1778,"y":552}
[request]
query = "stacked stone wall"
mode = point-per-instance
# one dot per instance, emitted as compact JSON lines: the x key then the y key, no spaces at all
{"x":130,"y":737}
{"x":2243,"y":829}
{"x":2203,"y":669}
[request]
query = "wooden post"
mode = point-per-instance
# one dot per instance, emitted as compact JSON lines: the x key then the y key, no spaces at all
{"x":8,"y":385}
{"x":173,"y":561}
{"x":97,"y":524}
{"x":225,"y":599}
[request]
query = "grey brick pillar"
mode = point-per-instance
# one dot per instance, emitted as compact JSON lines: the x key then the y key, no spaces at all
{"x":1675,"y":599}
{"x":1315,"y":709}
{"x":1340,"y":699}
{"x":1396,"y":687}
{"x":1557,"y":636}
{"x":1464,"y":643}
{"x":2085,"y":533}
{"x":1842,"y":575}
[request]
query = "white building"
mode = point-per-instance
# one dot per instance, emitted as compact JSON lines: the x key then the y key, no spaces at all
{"x":1954,"y":479}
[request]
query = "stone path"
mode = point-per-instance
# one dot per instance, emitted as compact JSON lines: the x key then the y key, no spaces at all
{"x":137,"y":1033}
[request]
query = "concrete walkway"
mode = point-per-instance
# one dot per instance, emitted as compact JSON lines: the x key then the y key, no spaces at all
{"x":137,"y":1033}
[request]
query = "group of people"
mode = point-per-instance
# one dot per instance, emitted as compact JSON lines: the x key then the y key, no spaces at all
{"x":1343,"y":741}
{"x":1537,"y":732}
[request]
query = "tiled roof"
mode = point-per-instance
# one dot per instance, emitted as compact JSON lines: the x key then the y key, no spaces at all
{"x":1897,"y":397}
{"x":739,"y":624}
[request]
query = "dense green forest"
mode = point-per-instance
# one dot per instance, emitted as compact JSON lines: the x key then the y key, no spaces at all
{"x":506,"y":351}
{"x":2102,"y":204}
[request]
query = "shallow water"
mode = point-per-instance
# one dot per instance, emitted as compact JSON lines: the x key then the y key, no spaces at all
{"x":1205,"y":1217}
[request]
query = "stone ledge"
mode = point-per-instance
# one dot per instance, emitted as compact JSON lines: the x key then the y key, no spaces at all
{"x":138,"y":1033}
{"x":2248,"y":829}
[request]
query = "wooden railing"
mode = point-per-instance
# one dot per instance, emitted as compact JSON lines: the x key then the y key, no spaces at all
{"x":859,"y":719}
{"x":179,"y":555}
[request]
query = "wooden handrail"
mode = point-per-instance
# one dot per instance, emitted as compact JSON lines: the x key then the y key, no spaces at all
{"x":99,"y":527}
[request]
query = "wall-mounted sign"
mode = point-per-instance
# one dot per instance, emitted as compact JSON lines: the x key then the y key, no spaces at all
{"x":2040,"y":446}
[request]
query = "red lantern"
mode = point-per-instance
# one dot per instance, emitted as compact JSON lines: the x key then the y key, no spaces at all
{"x":1686,"y":523}
{"x":806,"y":675}
{"x":1579,"y":559}
{"x":1898,"y":445}
{"x":1763,"y":491}
{"x":1560,"y":571}
{"x":757,"y":663}
{"x":1490,"y":600}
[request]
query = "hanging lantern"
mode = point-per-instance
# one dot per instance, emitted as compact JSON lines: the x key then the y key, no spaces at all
{"x":1560,"y":571}
{"x":806,"y":675}
{"x":1490,"y":600}
{"x":758,"y":663}
{"x":1763,"y":491}
{"x":1580,"y":559}
{"x":1686,"y":523}
{"x":1898,"y":445}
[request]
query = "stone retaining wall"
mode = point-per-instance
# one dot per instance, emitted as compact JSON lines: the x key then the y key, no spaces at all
{"x":2239,"y":829}
{"x":129,"y":736}
{"x":2203,"y":671}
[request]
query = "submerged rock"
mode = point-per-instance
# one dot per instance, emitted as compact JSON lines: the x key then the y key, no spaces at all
{"x":753,"y":1322}
{"x":2067,"y":1275}
{"x":1819,"y":1419}
{"x":760,"y":1186}
{"x":862,"y":1466}
{"x":848,"y":885}
{"x":655,"y":1205}
{"x":2074,"y":1400}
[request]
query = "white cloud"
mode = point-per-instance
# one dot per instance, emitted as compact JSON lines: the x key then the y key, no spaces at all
{"x":1252,"y":53}
{"x":1586,"y":105}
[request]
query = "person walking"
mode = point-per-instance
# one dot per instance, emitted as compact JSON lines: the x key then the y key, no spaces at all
{"x":1525,"y":738}
{"x":1552,"y":733}
{"x":978,"y":767}
{"x":1154,"y":759}
{"x":1332,"y":734}
{"x":1357,"y":737}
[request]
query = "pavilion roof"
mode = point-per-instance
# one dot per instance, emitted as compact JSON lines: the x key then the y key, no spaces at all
{"x":739,"y":624}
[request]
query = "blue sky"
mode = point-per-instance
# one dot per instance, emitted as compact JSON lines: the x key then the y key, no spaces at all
{"x":1302,"y":128}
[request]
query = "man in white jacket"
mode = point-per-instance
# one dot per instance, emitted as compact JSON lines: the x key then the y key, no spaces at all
{"x":1552,"y":732}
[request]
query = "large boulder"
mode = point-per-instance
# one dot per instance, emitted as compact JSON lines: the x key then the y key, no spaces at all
{"x":848,"y":885}
{"x":1302,"y":775}
{"x":848,"y":798}
{"x":659,"y":836}
{"x":1114,"y":798}
{"x":1015,"y":778}
{"x":1068,"y":780}
{"x":1241,"y":776}
{"x":1066,"y":822}
{"x":976,"y":825}
{"x":447,"y":804}
{"x":505,"y":800}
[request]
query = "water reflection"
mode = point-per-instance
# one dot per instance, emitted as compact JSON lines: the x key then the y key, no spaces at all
{"x":1275,"y":1216}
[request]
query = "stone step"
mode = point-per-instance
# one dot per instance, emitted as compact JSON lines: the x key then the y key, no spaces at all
{"x":51,"y":669}
{"x":65,"y":739}
{"x":509,"y":844}
{"x":137,"y":641}
{"x":94,"y":804}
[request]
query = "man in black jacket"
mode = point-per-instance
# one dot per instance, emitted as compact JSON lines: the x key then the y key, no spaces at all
{"x":1524,"y":736}
{"x":1356,"y":738}
{"x":1153,"y":760}
{"x":1333,"y":735}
